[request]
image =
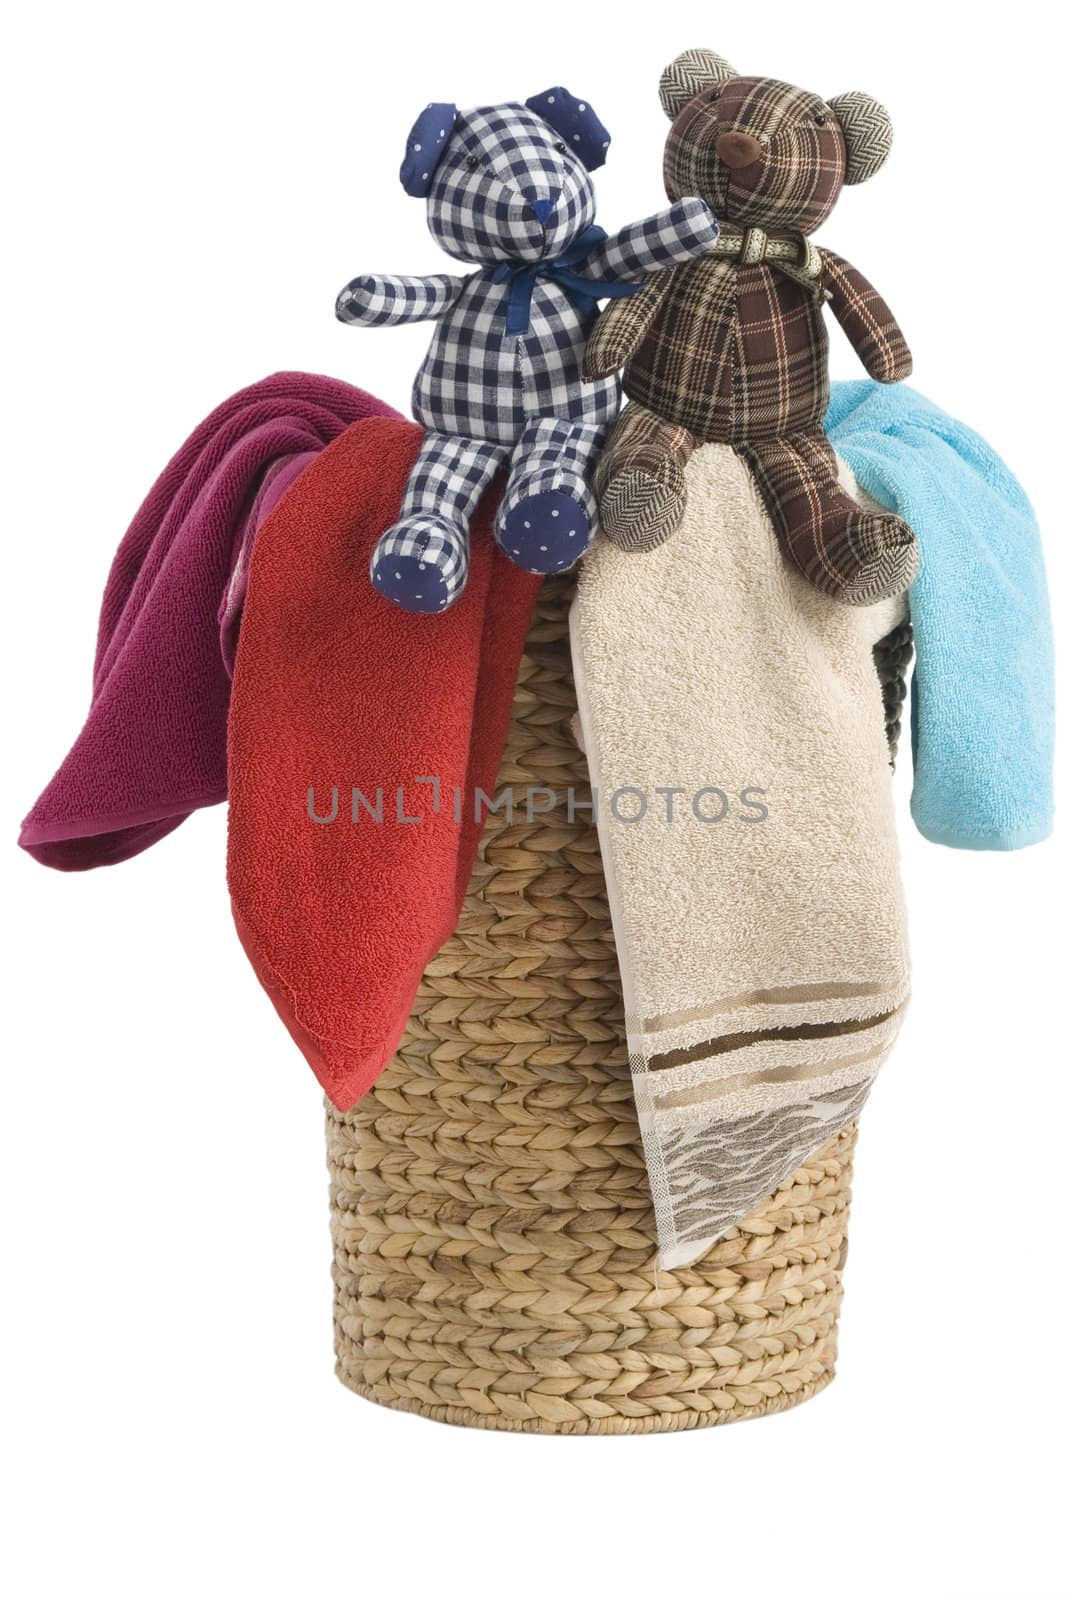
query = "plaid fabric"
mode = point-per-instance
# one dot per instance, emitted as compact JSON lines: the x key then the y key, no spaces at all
{"x":733,"y":347}
{"x":379,"y":301}
{"x":683,"y":369}
{"x":803,"y":169}
{"x":871,"y":327}
{"x":422,"y":561}
{"x":734,"y":353}
{"x":640,"y":436}
{"x":781,"y":376}
{"x":859,"y":556}
{"x":621,"y":327}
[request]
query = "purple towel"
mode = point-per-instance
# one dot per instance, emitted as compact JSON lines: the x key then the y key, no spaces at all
{"x":153,"y":748}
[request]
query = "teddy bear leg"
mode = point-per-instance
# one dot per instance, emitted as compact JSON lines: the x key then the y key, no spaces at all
{"x":857,"y":556}
{"x":548,"y":514}
{"x":641,"y":479}
{"x":422,"y":561}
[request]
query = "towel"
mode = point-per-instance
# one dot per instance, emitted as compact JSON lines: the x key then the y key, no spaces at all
{"x":733,"y":724}
{"x":349,"y":718}
{"x":982,"y":691}
{"x":153,"y":748}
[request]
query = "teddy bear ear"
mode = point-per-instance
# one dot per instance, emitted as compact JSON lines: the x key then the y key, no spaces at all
{"x":576,"y":123}
{"x":426,"y":144}
{"x":687,"y":75}
{"x":868,"y":134}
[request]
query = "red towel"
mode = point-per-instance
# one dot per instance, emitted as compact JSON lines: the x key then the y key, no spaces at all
{"x":335,"y":688}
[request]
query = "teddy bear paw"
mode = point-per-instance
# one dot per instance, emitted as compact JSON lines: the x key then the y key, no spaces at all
{"x":421,"y":563}
{"x":545,"y":532}
{"x":642,"y":504}
{"x":887,"y":559}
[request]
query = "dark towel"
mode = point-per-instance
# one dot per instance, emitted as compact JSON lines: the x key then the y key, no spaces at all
{"x":153,"y":748}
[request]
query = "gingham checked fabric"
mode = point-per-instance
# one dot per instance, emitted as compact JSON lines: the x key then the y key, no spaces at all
{"x":500,"y":162}
{"x":662,"y":240}
{"x":504,"y":189}
{"x":426,"y":553}
{"x":502,"y":186}
{"x":431,"y":536}
{"x":381,"y":302}
{"x":550,"y":470}
{"x":479,"y":380}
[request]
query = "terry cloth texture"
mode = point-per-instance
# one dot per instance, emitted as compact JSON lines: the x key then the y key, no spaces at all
{"x":153,"y":748}
{"x":337,"y":694}
{"x":982,"y":710}
{"x":758,"y":912}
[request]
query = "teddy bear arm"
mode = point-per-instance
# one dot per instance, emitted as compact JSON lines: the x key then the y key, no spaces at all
{"x":680,"y":233}
{"x":621,"y":327}
{"x":869,"y":325}
{"x":380,"y":300}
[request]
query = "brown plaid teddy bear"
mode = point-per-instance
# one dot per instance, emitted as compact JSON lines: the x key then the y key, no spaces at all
{"x":733,"y":347}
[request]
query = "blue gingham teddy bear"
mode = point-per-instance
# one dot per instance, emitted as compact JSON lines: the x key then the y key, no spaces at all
{"x":508,"y":189}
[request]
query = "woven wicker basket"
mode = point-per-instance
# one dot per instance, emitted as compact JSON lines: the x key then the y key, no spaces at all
{"x":492,"y":1225}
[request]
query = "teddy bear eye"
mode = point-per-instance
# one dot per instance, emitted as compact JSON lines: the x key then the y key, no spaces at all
{"x":561,"y":147}
{"x":820,"y":118}
{"x":472,"y":162}
{"x":714,"y":95}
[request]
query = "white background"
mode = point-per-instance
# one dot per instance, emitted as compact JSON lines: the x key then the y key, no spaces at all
{"x":188,"y":186}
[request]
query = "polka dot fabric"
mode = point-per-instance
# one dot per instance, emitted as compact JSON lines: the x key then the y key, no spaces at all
{"x":426,"y":146}
{"x":576,"y":121}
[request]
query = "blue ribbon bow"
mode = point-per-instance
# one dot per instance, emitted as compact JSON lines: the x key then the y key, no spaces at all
{"x":585,"y":292}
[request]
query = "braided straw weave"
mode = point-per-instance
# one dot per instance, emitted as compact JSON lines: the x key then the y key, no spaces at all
{"x":892,"y":658}
{"x":492,"y":1225}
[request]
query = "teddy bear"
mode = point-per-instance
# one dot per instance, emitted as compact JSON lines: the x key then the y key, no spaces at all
{"x":733,"y":347}
{"x":508,"y":189}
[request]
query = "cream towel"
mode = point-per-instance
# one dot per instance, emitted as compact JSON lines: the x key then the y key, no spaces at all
{"x":733,"y":723}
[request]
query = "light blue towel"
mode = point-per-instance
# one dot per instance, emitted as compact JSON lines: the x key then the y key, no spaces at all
{"x":982,"y":690}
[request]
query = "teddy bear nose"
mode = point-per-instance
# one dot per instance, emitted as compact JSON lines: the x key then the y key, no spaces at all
{"x":542,"y":209}
{"x":738,"y":149}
